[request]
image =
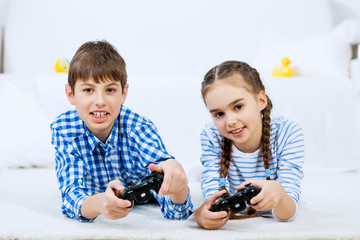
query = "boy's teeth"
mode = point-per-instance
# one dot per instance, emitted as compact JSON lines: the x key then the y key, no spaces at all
{"x":99,"y":114}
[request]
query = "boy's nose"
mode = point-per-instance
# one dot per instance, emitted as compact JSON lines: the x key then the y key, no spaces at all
{"x":99,"y":99}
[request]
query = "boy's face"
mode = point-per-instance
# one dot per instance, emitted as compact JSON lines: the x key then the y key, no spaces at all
{"x":98,"y":104}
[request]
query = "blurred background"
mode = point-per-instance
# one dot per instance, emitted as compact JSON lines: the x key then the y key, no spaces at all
{"x":168,"y":47}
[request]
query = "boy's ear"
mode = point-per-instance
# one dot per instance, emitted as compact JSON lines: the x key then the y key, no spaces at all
{"x":69,"y":94}
{"x":124,"y":93}
{"x":262,"y":99}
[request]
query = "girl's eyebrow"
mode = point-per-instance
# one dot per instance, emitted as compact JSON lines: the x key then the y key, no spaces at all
{"x":230,"y":104}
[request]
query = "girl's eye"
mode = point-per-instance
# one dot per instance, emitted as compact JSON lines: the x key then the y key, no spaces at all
{"x":238,"y":107}
{"x":219,"y":114}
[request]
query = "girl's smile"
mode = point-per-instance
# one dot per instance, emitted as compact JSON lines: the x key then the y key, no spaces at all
{"x":237,"y":132}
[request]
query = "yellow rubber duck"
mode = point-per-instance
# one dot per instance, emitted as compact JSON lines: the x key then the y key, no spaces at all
{"x":285,"y":71}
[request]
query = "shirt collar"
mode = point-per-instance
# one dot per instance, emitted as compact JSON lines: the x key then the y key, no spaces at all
{"x":111,"y":142}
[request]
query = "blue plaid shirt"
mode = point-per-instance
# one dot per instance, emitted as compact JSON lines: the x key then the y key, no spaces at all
{"x":85,"y":165}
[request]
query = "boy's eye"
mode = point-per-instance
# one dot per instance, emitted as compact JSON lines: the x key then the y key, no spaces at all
{"x":87,"y":90}
{"x":111,"y":90}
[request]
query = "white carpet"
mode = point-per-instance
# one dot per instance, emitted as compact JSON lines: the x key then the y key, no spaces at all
{"x":30,"y":209}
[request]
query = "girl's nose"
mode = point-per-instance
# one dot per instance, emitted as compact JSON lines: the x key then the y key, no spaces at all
{"x":231,"y":119}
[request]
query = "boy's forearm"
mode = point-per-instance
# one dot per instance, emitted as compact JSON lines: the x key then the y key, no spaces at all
{"x":91,"y":206}
{"x":180,"y":197}
{"x":285,"y":209}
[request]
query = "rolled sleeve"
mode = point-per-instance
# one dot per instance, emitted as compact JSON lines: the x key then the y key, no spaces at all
{"x":210,"y":159}
{"x":70,"y":172}
{"x":175,"y":211}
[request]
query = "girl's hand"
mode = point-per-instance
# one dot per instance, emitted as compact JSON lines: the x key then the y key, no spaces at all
{"x":211,"y":220}
{"x":272,"y":196}
{"x":175,"y":180}
{"x":269,"y":196}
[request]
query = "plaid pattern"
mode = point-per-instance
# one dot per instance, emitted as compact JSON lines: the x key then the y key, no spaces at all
{"x":85,"y":165}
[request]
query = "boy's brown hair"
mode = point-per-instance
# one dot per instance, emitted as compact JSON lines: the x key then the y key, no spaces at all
{"x":99,"y":60}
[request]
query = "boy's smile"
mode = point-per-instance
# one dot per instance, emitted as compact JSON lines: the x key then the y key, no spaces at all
{"x":236,"y":112}
{"x":98,"y":104}
{"x":100,"y":116}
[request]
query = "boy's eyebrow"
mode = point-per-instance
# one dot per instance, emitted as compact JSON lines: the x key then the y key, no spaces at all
{"x":230,"y":104}
{"x":93,"y":84}
{"x":113,"y":83}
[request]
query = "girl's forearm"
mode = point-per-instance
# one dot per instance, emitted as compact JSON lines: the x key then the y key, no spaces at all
{"x":285,"y":209}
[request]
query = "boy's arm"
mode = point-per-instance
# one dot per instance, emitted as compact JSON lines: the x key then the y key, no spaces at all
{"x":176,"y":204}
{"x":79,"y":202}
{"x":148,"y":148}
{"x":106,"y":203}
{"x":70,"y":171}
{"x":175,"y":180}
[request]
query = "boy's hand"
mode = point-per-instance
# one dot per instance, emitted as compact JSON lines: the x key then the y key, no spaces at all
{"x":208,"y":219}
{"x":114,"y":207}
{"x":175,"y":180}
{"x":106,"y":203}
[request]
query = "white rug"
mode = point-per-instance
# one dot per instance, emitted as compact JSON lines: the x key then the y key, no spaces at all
{"x":30,"y":209}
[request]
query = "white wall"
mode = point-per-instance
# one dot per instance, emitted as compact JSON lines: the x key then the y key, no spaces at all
{"x":346,"y":9}
{"x":182,"y":38}
{"x":170,"y":36}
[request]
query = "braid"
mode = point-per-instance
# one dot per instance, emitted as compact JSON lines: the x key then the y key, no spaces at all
{"x":266,"y":134}
{"x":226,"y":150}
{"x":253,"y":84}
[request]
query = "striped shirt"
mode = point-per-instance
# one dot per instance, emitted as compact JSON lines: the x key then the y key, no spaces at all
{"x":85,"y":165}
{"x":287,"y":158}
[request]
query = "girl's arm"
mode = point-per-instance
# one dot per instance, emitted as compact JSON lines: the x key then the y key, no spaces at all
{"x":272,"y":196}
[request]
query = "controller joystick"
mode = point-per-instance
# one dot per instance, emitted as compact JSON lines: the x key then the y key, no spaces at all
{"x":236,"y":202}
{"x":140,"y":192}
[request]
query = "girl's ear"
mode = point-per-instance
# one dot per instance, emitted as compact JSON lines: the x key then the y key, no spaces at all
{"x":262,"y":100}
{"x":69,"y":94}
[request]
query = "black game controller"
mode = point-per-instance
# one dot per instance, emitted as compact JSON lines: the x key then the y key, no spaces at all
{"x":237,"y":201}
{"x":140,"y":192}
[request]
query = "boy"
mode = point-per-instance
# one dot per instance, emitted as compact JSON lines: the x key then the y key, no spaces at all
{"x":102,"y":145}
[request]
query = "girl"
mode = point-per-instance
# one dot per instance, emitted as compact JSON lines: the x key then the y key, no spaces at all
{"x":243,"y":145}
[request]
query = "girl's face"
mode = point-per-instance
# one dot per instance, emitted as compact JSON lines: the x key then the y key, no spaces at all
{"x":237,"y":112}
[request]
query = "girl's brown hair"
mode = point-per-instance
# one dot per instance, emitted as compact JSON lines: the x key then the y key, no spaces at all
{"x":255,"y":85}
